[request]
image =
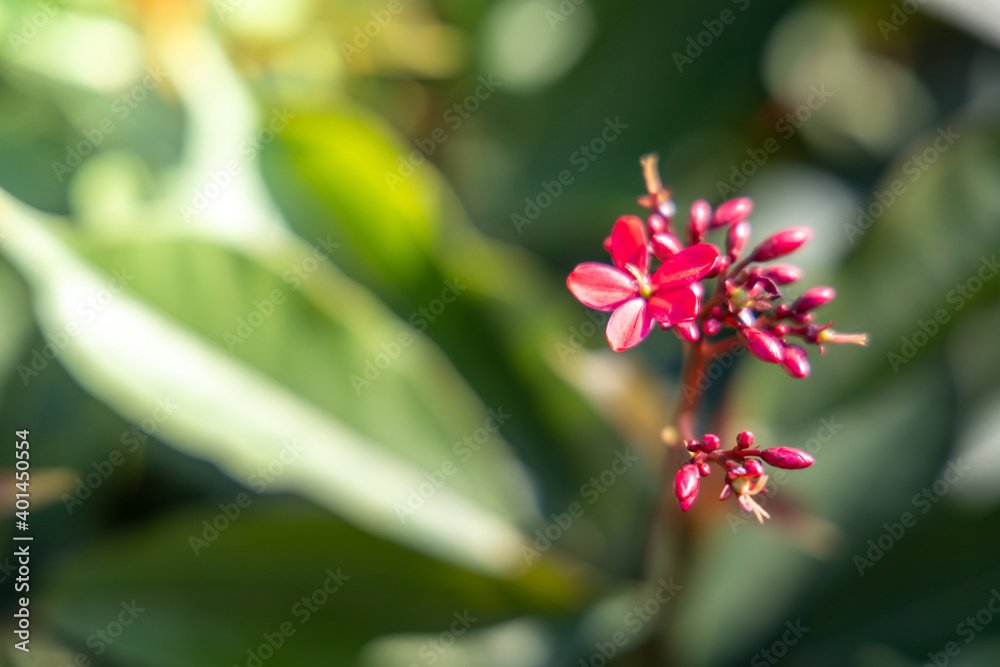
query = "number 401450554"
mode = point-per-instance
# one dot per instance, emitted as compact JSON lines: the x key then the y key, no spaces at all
{"x":22,"y":476}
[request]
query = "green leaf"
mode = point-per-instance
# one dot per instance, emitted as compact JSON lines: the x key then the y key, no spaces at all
{"x":288,"y":386}
{"x":513,"y":333}
{"x":273,"y":564}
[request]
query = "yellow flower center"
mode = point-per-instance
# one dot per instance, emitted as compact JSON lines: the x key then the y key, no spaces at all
{"x":645,"y":289}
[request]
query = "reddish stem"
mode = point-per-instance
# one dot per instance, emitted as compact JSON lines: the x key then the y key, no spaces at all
{"x":688,"y":400}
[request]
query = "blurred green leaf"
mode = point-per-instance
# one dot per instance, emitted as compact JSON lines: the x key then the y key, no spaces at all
{"x":277,"y":562}
{"x":404,"y":237}
{"x":244,"y":411}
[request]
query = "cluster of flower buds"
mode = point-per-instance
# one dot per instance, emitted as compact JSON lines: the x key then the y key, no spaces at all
{"x":745,"y":477}
{"x":747,"y":299}
{"x":655,"y":279}
{"x":750,"y":301}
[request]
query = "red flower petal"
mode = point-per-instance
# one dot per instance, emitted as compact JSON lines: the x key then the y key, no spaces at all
{"x":674,"y":307}
{"x":665,"y":245}
{"x":685,"y":267}
{"x":601,"y":286}
{"x":628,"y":243}
{"x":629,"y":325}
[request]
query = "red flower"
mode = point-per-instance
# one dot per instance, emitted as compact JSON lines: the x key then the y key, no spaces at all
{"x":639,"y":299}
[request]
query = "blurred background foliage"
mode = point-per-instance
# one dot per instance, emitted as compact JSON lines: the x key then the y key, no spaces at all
{"x":298,"y":259}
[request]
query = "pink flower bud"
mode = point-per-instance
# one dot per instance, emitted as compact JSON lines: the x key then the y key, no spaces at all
{"x":658,"y":224}
{"x":705,"y":469}
{"x":711,"y":442}
{"x":667,"y":208}
{"x":744,"y":440}
{"x":783,"y":274}
{"x":721,"y":264}
{"x":754,"y":468}
{"x":726,"y":492}
{"x":701,"y":215}
{"x":693,"y":445}
{"x":782,"y":243}
{"x":688,"y":331}
{"x":712,"y":326}
{"x":788,"y":458}
{"x":763,"y":345}
{"x":796,"y":362}
{"x":665,"y":245}
{"x":732,"y":211}
{"x":780,"y":330}
{"x":813,"y":298}
{"x":736,"y":239}
{"x":686,"y":485}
